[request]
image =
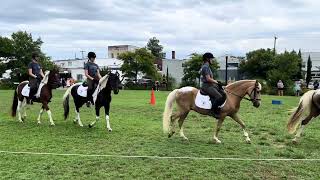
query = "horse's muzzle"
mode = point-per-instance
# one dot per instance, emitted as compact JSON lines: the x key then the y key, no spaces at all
{"x":116,"y":91}
{"x":256,"y":104}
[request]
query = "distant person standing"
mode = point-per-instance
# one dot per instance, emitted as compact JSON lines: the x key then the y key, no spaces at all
{"x":280,"y":87}
{"x":315,"y":85}
{"x":297,"y":88}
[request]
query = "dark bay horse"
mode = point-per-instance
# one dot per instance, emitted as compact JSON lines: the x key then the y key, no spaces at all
{"x":107,"y":83}
{"x":308,"y":108}
{"x":185,"y":100}
{"x":49,"y":82}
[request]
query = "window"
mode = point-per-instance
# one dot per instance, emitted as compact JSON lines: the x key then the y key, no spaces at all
{"x":69,"y":63}
{"x":62,"y":64}
{"x":79,"y":77}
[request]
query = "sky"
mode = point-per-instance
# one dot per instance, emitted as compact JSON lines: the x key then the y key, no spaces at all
{"x":222,"y":27}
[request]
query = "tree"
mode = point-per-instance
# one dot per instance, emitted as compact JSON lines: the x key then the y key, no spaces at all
{"x":138,"y":61}
{"x":299,"y":74}
{"x":258,"y":63}
{"x":309,"y":66}
{"x":191,"y":70}
{"x":18,"y":50}
{"x":155,"y":48}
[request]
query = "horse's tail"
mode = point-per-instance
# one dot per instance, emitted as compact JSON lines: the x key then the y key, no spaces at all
{"x":303,"y":107}
{"x":14,"y":104}
{"x":66,"y":98}
{"x":168,"y":110}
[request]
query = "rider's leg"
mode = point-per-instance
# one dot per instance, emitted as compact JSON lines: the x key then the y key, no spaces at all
{"x":89,"y":92}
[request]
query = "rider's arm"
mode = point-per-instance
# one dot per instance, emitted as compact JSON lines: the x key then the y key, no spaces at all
{"x":98,"y":73}
{"x":31,"y":74}
{"x":87,"y":74}
{"x":210,"y":80}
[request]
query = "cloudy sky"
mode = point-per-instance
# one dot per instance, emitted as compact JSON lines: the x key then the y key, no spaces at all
{"x":186,"y":26}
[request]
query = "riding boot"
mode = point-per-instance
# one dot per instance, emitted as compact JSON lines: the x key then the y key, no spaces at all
{"x":215,"y":110}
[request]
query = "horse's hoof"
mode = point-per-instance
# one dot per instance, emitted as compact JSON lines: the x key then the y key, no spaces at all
{"x":170,"y":134}
{"x":217,"y":141}
{"x":185,"y":139}
{"x":38,"y":122}
{"x":109,"y":129}
{"x":294,"y":141}
{"x":75,"y":121}
{"x":81,"y":125}
{"x":52,"y":124}
{"x":248,"y":141}
{"x":21,"y":121}
{"x":90,"y":126}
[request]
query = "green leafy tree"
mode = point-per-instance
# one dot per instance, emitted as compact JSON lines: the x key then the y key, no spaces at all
{"x":18,"y":51}
{"x":299,"y":74}
{"x":155,"y":47}
{"x":309,"y":66}
{"x":258,"y":63}
{"x":191,"y":70}
{"x":139,"y":61}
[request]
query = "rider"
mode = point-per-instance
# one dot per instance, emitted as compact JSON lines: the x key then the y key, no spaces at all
{"x":210,"y":85}
{"x":92,"y":73}
{"x":35,"y":75}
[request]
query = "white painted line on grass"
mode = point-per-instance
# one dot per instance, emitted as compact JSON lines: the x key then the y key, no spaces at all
{"x":155,"y":157}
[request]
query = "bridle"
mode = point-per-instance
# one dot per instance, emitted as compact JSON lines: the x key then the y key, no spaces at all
{"x":254,"y":91}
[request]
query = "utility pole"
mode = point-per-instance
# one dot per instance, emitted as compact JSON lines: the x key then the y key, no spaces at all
{"x":274,"y":45}
{"x":226,"y":69}
{"x":82,"y":54}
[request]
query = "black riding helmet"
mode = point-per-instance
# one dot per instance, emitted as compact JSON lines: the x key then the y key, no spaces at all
{"x":91,"y":55}
{"x":207,"y":56}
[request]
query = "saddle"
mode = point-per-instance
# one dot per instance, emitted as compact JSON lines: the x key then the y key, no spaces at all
{"x":204,"y":101}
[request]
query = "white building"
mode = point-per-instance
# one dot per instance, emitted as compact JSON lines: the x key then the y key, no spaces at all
{"x":175,"y":68}
{"x":76,"y":66}
{"x":233,"y":68}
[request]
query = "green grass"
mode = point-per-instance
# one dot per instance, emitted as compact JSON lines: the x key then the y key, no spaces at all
{"x":137,"y":130}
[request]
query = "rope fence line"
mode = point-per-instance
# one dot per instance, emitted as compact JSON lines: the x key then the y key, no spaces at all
{"x":154,"y":157}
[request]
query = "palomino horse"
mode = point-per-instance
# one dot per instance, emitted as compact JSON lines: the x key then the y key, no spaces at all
{"x":185,"y":100}
{"x":308,"y":108}
{"x":102,"y":95}
{"x":49,"y":82}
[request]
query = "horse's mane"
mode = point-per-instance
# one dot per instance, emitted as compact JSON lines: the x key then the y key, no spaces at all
{"x":103,"y":81}
{"x":46,"y":77}
{"x":238,"y":83}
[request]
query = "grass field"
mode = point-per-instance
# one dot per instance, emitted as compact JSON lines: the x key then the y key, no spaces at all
{"x":137,"y":130}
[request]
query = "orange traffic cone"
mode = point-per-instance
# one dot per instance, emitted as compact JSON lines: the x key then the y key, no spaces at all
{"x":153,"y":98}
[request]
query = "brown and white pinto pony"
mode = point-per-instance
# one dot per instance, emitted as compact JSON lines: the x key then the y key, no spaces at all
{"x":185,"y":101}
{"x":308,"y":108}
{"x":19,"y":101}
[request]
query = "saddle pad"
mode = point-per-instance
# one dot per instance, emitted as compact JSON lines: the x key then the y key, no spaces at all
{"x":82,"y":91}
{"x":204,"y":102}
{"x":26,"y":90}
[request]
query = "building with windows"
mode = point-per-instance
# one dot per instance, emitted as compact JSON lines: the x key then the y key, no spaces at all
{"x":75,"y":67}
{"x":232,"y":70}
{"x":114,"y":51}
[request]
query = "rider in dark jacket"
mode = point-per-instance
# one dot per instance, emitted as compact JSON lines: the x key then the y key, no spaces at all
{"x":35,"y":75}
{"x":92,"y":73}
{"x":210,"y":85}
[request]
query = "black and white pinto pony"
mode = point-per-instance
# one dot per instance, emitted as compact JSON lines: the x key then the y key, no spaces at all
{"x":43,"y":96}
{"x":308,"y":108}
{"x":101,"y":97}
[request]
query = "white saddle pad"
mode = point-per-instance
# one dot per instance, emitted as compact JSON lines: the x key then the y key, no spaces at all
{"x":204,"y":102}
{"x":26,"y":90}
{"x":82,"y":91}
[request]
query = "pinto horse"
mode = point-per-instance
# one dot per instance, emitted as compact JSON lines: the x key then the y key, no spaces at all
{"x":49,"y":82}
{"x":185,"y":100}
{"x":308,"y":108}
{"x":102,"y":97}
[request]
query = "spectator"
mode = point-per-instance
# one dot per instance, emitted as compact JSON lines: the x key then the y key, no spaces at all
{"x":280,"y":87}
{"x":315,"y":85}
{"x":157,"y":84}
{"x":297,"y":88}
